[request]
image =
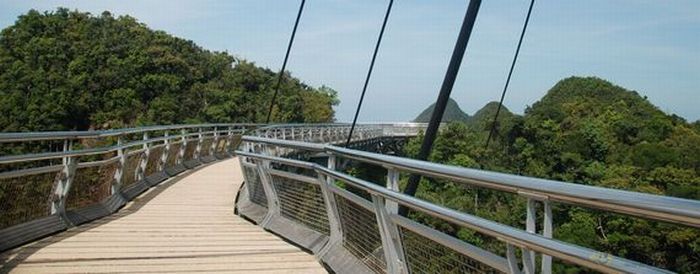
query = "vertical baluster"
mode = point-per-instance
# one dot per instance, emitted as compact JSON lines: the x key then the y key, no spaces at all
{"x":215,"y":143}
{"x":166,"y":152}
{"x":183,"y":147}
{"x":512,"y":260}
{"x":143,"y":162}
{"x":198,"y":149}
{"x":389,"y":232}
{"x":332,"y":212}
{"x":64,"y":181}
{"x":228,"y":147}
{"x":547,"y":232}
{"x":119,"y":173}
{"x":273,"y":209}
{"x":529,"y":255}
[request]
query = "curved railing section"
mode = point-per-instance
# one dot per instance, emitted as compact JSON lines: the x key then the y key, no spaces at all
{"x":353,"y":225}
{"x":50,"y":181}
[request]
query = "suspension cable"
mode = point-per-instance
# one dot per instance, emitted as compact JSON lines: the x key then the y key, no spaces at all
{"x":284,"y":64}
{"x":510,"y":73}
{"x":369,"y":72}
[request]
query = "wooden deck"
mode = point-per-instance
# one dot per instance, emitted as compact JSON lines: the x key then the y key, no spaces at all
{"x":183,"y":225}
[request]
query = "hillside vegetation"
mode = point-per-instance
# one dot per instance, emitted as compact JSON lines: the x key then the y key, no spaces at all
{"x":585,"y":131}
{"x":453,"y":113}
{"x":67,"y":70}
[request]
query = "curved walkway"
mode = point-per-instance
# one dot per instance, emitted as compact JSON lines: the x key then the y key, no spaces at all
{"x":183,"y":225}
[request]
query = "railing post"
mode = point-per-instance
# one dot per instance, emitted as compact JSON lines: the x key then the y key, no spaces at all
{"x":64,"y":181}
{"x":547,"y":232}
{"x":528,"y":256}
{"x":140,"y":172}
{"x":273,"y":209}
{"x":391,"y":240}
{"x":119,"y":173}
{"x":392,"y":183}
{"x":198,"y":150}
{"x":215,"y":143}
{"x":166,"y":152}
{"x":336,"y":230}
{"x":183,"y":147}
{"x":229,"y":142}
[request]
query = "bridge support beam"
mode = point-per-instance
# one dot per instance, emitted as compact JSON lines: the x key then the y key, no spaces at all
{"x":445,"y":90}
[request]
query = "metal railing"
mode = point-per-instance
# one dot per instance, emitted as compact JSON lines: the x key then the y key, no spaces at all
{"x":353,"y":225}
{"x":52,"y":180}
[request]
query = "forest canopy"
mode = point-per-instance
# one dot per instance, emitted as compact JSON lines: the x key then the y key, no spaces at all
{"x":69,"y":70}
{"x":585,"y":130}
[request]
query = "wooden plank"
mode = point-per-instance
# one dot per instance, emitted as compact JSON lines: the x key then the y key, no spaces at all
{"x":184,"y":226}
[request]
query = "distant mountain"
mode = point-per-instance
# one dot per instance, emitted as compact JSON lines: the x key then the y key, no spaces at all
{"x":580,"y":104}
{"x":452,"y":113}
{"x":588,"y":97}
{"x":487,"y":112}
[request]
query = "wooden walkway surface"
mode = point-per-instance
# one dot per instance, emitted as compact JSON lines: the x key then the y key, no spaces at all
{"x":182,"y":225}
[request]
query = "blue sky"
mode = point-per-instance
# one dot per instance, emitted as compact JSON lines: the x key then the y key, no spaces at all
{"x":649,"y":46}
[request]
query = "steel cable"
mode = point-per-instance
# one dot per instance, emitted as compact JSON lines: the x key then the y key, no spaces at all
{"x":510,"y":73}
{"x":369,"y":72}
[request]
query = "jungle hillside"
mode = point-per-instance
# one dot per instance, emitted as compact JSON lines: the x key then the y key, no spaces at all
{"x":589,"y":131}
{"x":69,"y":70}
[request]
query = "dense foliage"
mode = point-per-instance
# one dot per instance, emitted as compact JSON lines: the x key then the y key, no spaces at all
{"x":67,"y":70}
{"x":584,"y":131}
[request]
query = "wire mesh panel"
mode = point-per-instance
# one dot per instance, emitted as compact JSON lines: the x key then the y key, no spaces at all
{"x":361,"y":234}
{"x":235,"y":141}
{"x":190,"y":149}
{"x":172,"y":155}
{"x":255,"y":187}
{"x":91,"y":185}
{"x":154,"y":160}
{"x":302,"y":202}
{"x":221,"y":145}
{"x":129,"y":172}
{"x":206,"y":147}
{"x":25,"y":198}
{"x":426,"y":256}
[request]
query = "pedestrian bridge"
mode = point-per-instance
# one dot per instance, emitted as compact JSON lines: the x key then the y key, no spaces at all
{"x":273,"y":199}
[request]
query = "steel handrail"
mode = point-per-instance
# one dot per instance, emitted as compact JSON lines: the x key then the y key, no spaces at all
{"x":538,"y":243}
{"x":562,"y":250}
{"x":658,"y":207}
{"x":71,"y":135}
